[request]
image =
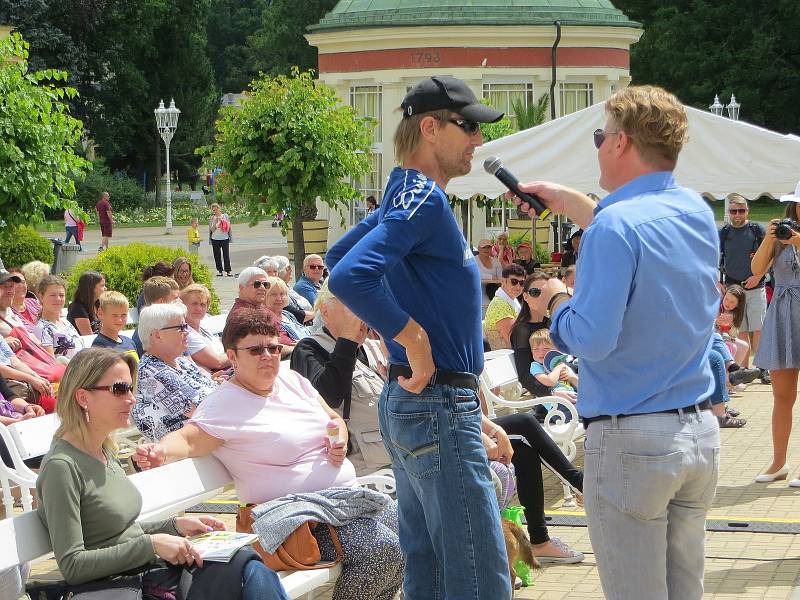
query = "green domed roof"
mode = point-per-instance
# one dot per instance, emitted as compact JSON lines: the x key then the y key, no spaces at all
{"x":352,"y":14}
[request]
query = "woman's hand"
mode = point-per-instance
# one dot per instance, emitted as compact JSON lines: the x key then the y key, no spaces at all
{"x":189,"y":526}
{"x":13,"y":343}
{"x":149,"y":456}
{"x":503,"y":446}
{"x":337,"y":451}
{"x":41,"y":386}
{"x":175,"y":550}
{"x":492,"y":450}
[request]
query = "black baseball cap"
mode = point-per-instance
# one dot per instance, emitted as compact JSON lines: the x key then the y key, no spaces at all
{"x":445,"y":92}
{"x":6,"y":276}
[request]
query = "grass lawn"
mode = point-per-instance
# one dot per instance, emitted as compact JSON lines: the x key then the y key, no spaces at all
{"x":57,"y":226}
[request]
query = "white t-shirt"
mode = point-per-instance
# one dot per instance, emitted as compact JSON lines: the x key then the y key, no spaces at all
{"x":272,"y":446}
{"x":202,"y":339}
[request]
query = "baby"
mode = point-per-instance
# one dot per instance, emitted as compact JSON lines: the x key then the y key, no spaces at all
{"x":549,"y":367}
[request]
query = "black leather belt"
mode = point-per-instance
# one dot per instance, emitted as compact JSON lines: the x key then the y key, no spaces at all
{"x":698,"y":407}
{"x":454,"y":378}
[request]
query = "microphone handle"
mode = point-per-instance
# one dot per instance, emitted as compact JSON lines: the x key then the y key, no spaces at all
{"x":512,"y":183}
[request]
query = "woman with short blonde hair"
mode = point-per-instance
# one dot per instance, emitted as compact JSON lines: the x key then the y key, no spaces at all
{"x":276,"y":302}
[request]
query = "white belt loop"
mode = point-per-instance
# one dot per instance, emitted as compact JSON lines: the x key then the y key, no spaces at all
{"x":614,"y":421}
{"x":681,"y":416}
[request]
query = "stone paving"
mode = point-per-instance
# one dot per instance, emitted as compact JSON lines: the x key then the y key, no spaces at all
{"x":740,"y":565}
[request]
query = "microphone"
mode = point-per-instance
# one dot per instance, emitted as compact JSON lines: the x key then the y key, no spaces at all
{"x":493,"y":166}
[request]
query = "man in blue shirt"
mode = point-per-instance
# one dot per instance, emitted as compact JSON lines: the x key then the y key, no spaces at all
{"x":407,"y":271}
{"x":309,"y":283}
{"x":641,"y":322}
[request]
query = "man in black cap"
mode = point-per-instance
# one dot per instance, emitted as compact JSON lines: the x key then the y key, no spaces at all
{"x":408,"y":272}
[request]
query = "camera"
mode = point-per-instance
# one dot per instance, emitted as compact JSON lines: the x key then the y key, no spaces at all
{"x":784,"y":227}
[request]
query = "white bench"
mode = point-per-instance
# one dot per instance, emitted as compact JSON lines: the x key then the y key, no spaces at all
{"x":167,"y":491}
{"x":561,"y":422}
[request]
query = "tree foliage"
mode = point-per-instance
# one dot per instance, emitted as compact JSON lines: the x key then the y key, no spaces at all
{"x":290,"y":142}
{"x":699,"y":48}
{"x":38,"y":138}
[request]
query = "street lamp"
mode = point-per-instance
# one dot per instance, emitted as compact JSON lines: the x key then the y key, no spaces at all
{"x":167,"y":123}
{"x":717,"y":107}
{"x":733,"y":109}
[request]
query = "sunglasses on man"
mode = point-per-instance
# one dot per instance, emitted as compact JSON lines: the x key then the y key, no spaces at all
{"x":599,"y":136}
{"x":258,"y":284}
{"x":316,"y":267}
{"x":467,"y":126}
{"x":737,"y":211}
{"x":515,"y":281}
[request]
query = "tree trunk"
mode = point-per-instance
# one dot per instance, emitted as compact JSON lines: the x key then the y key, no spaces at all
{"x":298,"y":243}
{"x":158,"y":172}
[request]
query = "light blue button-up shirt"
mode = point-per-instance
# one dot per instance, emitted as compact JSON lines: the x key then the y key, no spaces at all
{"x":645,"y":301}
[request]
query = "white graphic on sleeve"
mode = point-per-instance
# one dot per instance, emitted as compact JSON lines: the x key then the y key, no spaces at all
{"x":414,"y":194}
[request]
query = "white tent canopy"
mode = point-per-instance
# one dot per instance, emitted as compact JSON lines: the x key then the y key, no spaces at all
{"x":721,"y":156}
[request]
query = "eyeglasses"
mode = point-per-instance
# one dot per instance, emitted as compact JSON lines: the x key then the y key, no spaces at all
{"x":533,"y":292}
{"x":258,"y":283}
{"x":467,"y":126}
{"x":118,"y":388}
{"x":515,"y":281}
{"x":316,"y":267}
{"x":259,"y":350}
{"x":737,"y":211}
{"x":599,"y":136}
{"x":183,"y":327}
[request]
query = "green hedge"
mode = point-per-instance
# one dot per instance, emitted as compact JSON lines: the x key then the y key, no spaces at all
{"x":123,"y":266}
{"x":23,"y":244}
{"x":125,"y":192}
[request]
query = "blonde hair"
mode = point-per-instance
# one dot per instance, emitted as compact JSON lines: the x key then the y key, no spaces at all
{"x":735,"y":198}
{"x":653,"y":119}
{"x":324,"y":295}
{"x":85,"y":369}
{"x":540,"y":337}
{"x":112,"y":298}
{"x":158,"y":288}
{"x":278,"y":283}
{"x":196,"y":288}
{"x":34,"y":272}
{"x":407,"y":135}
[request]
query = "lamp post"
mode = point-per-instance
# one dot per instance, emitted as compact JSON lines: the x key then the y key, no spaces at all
{"x":717,"y":107}
{"x":167,"y":123}
{"x":733,"y":109}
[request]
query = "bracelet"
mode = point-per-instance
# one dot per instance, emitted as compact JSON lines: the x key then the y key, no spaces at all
{"x":556,"y":297}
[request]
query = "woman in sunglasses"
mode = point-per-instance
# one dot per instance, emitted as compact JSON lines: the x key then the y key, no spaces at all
{"x":504,"y":308}
{"x":89,"y":506}
{"x":270,"y":428}
{"x":170,"y":385}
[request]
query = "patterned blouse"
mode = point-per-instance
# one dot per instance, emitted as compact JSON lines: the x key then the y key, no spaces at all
{"x":164,"y":395}
{"x":61,"y":335}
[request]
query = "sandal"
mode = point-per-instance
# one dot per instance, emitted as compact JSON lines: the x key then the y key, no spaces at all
{"x":732,"y":412}
{"x":729,"y":422}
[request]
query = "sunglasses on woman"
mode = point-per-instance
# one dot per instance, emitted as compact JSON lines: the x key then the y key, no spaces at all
{"x":118,"y":388}
{"x":259,"y":349}
{"x":533,"y":292}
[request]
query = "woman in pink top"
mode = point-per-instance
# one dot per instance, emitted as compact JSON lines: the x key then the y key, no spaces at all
{"x":268,"y":427}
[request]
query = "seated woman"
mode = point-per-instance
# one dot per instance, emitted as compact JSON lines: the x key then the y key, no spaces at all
{"x":205,"y":348}
{"x":89,"y":506}
{"x":490,"y":271}
{"x":25,"y":305}
{"x":504,"y":308}
{"x":298,"y":305}
{"x":82,"y":311}
{"x":268,"y":427}
{"x":56,"y":333}
{"x":182,"y":270}
{"x":276,"y":302}
{"x":348,"y":371}
{"x":170,"y":384}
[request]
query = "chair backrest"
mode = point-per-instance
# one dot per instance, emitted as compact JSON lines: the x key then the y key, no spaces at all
{"x":165,"y":491}
{"x":33,"y":437}
{"x":499,"y":369}
{"x":214,"y":324}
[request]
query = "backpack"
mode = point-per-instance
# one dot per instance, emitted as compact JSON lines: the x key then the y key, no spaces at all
{"x":360,"y":407}
{"x":725,"y":233}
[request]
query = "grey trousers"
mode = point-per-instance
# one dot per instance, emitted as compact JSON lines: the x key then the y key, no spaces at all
{"x":649,"y":481}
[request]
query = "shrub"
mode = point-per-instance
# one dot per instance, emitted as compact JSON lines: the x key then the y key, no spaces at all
{"x":123,"y":266}
{"x":19,"y":245}
{"x":125,"y":192}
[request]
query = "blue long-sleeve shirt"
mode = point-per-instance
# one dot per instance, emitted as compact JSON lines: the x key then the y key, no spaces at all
{"x":645,"y":300}
{"x":409,"y":259}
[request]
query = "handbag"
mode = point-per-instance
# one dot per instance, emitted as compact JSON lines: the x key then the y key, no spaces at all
{"x":34,"y":356}
{"x":299,"y":551}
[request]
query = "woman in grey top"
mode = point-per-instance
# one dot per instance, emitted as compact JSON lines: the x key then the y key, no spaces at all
{"x":88,"y":504}
{"x":779,"y":348}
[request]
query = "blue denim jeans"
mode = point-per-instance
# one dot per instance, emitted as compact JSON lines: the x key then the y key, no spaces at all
{"x":72,"y":232}
{"x":449,"y":521}
{"x":717,"y":363}
{"x":259,"y":582}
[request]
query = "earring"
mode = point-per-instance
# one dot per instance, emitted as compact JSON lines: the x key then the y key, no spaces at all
{"x":86,"y":414}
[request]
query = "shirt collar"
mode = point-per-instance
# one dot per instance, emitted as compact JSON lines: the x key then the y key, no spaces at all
{"x":650,"y":182}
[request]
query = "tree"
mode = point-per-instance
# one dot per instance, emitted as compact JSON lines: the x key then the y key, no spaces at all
{"x":698,"y":48}
{"x":230,"y":23}
{"x":39,"y":156}
{"x":530,"y":115}
{"x":290,"y":142}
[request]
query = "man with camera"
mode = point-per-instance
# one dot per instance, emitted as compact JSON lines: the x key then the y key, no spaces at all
{"x":640,"y":323}
{"x":738,"y":242}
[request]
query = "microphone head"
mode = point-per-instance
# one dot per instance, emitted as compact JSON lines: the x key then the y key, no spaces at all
{"x":492,"y":164}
